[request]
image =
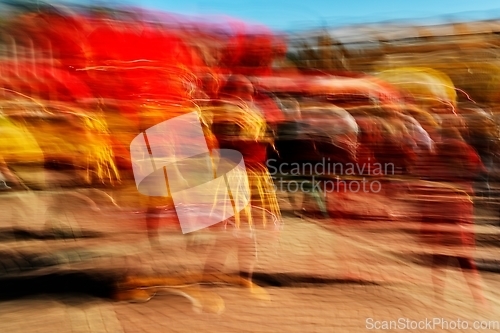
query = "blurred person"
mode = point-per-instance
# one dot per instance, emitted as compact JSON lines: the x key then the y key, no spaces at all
{"x":287,"y":145}
{"x":241,"y":89}
{"x":370,"y":141}
{"x":447,"y":211}
{"x":157,"y":205}
{"x":238,"y":88}
{"x":481,"y":132}
{"x":310,"y":136}
{"x":238,"y":124}
{"x":450,"y":234}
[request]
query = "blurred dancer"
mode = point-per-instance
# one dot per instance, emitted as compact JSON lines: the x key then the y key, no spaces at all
{"x":482,"y":133}
{"x":448,"y":214}
{"x":153,"y":114}
{"x":240,"y":125}
{"x":288,"y":146}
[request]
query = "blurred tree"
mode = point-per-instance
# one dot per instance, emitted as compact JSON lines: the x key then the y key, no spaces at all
{"x":325,"y":53}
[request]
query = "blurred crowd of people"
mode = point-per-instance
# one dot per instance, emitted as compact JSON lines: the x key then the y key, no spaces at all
{"x":102,"y":80}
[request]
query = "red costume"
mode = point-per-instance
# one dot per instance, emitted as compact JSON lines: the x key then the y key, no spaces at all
{"x":450,"y":206}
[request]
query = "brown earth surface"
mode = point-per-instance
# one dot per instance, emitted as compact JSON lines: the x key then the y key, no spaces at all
{"x":322,"y":274}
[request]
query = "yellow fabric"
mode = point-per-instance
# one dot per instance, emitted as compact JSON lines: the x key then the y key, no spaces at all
{"x":77,"y":136}
{"x":17,"y":144}
{"x":427,"y":85}
{"x":251,"y":122}
{"x":252,"y":126}
{"x":480,"y":80}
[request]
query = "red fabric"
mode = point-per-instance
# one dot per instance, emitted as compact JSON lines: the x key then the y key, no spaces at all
{"x":366,"y":161}
{"x":62,"y":36}
{"x":455,"y":161}
{"x":45,"y":80}
{"x":460,"y":150}
{"x":249,"y":54}
{"x":251,"y":71}
{"x":272,"y":112}
{"x":254,"y":153}
{"x":104,"y":43}
{"x":370,"y":141}
{"x":452,"y":226}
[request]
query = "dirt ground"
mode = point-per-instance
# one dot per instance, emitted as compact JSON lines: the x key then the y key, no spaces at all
{"x":321,"y":275}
